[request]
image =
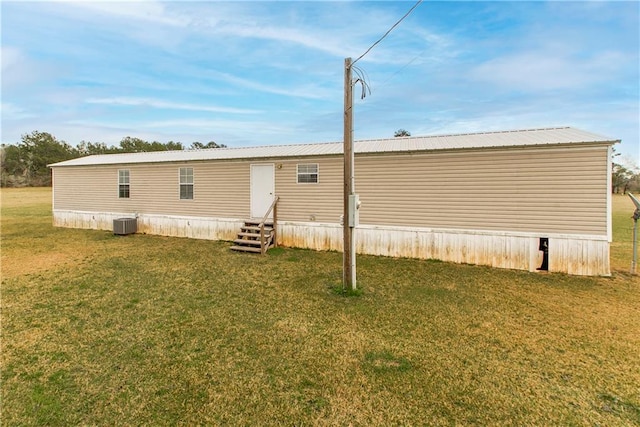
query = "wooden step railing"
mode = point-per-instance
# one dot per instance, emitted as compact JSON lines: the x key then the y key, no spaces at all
{"x":259,"y":236}
{"x":274,"y":234}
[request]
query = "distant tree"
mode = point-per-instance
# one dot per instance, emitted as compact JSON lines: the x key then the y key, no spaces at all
{"x":401,"y":132}
{"x":172,"y":146}
{"x":37,"y":150}
{"x":621,"y":178}
{"x":13,"y":167}
{"x":634,"y":183}
{"x":92,"y":148}
{"x":133,"y":145}
{"x":137,"y":145}
{"x":200,"y":146}
{"x":625,"y":174}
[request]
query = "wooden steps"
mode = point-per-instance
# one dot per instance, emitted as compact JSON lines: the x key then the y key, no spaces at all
{"x":249,"y":238}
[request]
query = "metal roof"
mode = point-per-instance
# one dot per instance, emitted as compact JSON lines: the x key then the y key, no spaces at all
{"x":512,"y":138}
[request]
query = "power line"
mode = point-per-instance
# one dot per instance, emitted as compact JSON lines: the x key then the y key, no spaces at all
{"x":388,"y":31}
{"x":403,"y":67}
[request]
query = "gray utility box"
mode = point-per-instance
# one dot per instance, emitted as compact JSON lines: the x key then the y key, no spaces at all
{"x":124,"y":226}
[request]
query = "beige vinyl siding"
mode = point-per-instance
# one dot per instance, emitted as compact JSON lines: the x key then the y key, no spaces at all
{"x":302,"y":202}
{"x":221,"y":189}
{"x":546,"y":190}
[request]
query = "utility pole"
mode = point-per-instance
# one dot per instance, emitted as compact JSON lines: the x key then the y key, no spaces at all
{"x":351,"y":201}
{"x":349,"y":255}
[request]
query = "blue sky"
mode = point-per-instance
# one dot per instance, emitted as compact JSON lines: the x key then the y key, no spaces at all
{"x":271,"y":72}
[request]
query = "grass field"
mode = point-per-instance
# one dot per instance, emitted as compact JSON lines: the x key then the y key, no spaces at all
{"x":147,"y":330}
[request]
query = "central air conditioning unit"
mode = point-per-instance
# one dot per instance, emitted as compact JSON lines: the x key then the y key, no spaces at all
{"x":124,"y":226}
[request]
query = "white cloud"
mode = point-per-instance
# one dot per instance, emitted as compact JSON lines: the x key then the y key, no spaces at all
{"x":156,"y":103}
{"x":307,"y":38}
{"x":146,"y":11}
{"x":250,"y":127}
{"x":309,"y":91}
{"x":206,"y":19}
{"x":533,"y":71}
{"x":10,"y":57}
{"x":17,"y":69}
{"x":10,"y":111}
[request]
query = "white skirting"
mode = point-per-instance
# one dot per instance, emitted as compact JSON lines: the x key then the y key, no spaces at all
{"x":572,"y":254}
{"x":162,"y":225}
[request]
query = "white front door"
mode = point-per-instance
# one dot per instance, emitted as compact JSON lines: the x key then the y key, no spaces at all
{"x":262,"y":189}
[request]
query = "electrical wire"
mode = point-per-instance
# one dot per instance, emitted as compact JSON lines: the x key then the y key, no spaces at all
{"x":362,"y":79}
{"x":403,"y":67}
{"x":388,"y":31}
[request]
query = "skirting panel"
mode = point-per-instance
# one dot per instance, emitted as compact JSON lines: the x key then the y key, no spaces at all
{"x":572,"y":254}
{"x":175,"y":226}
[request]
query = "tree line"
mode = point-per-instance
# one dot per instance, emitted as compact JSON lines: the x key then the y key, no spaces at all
{"x":25,"y":163}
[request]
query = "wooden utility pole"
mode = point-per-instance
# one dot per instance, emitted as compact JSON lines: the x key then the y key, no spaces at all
{"x":349,"y":255}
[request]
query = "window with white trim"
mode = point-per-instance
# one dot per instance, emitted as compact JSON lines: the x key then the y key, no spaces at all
{"x":308,"y":173}
{"x":186,"y":183}
{"x":123,"y":184}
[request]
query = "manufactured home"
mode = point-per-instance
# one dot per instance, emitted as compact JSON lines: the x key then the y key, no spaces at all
{"x":527,"y":199}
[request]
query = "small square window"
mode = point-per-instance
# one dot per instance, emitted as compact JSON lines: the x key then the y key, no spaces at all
{"x":308,"y":173}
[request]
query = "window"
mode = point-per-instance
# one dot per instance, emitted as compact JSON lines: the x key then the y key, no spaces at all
{"x":186,"y":183}
{"x":123,"y":184}
{"x":308,"y":174}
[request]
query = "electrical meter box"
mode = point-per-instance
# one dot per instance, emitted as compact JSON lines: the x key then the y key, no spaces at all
{"x":354,"y":210}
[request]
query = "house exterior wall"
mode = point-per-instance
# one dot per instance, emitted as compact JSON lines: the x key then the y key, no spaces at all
{"x":485,"y":207}
{"x":321,"y":202}
{"x":539,"y":190}
{"x":220,"y":190}
{"x":544,"y":190}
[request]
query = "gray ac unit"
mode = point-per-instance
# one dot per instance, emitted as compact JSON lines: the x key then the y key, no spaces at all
{"x":124,"y":226}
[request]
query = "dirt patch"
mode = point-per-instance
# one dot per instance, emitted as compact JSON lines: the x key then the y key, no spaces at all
{"x":23,"y":262}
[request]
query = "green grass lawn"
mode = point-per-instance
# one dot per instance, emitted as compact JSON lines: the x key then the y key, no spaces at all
{"x":146,"y":330}
{"x":622,"y":246}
